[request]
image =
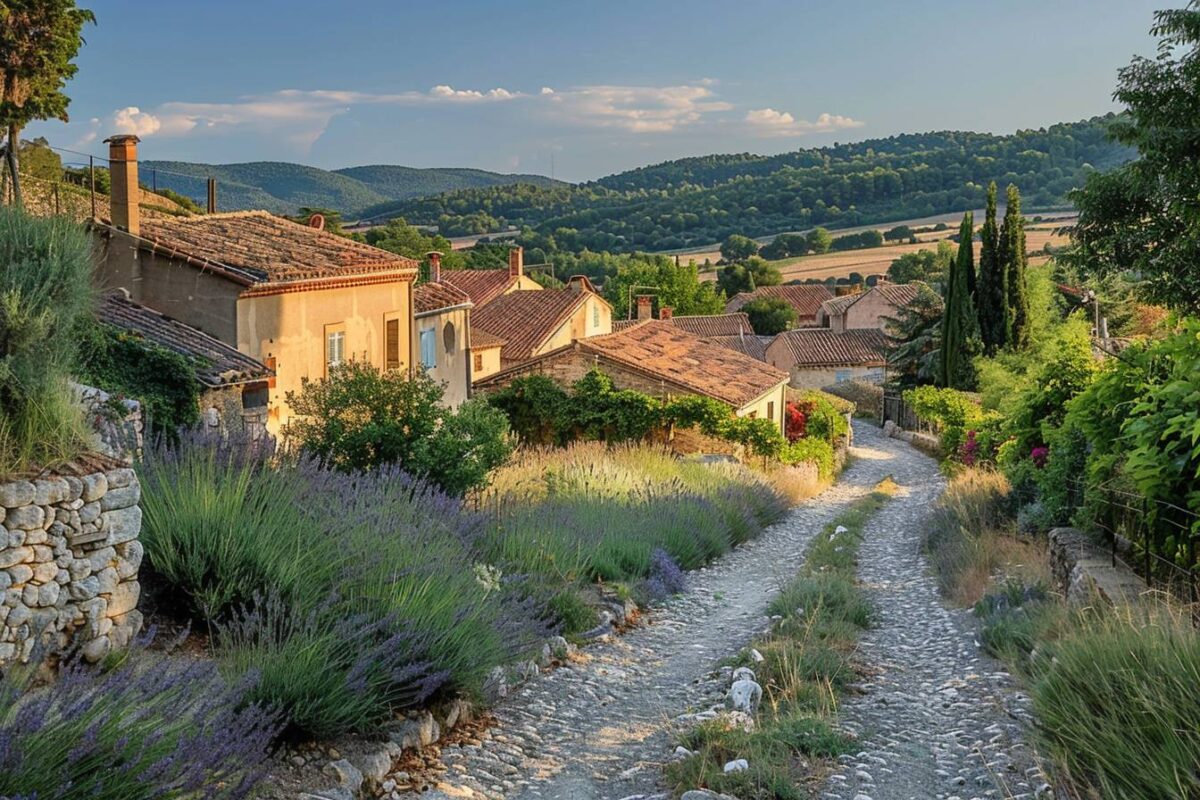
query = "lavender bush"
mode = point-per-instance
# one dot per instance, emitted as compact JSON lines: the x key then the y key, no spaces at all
{"x":153,"y":726}
{"x":666,"y":578}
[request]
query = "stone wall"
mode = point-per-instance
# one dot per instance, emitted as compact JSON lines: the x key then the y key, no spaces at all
{"x":117,"y":423}
{"x":69,"y":557}
{"x":1082,"y":569}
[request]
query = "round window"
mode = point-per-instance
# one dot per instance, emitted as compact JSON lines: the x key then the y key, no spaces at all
{"x":448,"y":337}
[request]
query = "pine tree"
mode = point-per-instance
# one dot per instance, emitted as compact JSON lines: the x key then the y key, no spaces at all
{"x":960,"y":332}
{"x":991,"y":297}
{"x":1013,"y":262}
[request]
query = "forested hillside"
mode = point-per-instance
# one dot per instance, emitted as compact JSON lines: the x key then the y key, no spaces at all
{"x":283,"y":187}
{"x":698,"y":201}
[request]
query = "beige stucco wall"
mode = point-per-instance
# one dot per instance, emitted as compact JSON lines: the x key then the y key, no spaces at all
{"x":593,"y":318}
{"x":290,"y":328}
{"x":769,"y":406}
{"x":820,"y":377}
{"x":524,"y":284}
{"x":489,"y":362}
{"x":869,"y":312}
{"x":452,"y":363}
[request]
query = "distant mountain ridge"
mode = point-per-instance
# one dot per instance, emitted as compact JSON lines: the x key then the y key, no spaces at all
{"x":283,"y":187}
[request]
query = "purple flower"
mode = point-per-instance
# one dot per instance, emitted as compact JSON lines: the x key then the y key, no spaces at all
{"x":1039,"y":455}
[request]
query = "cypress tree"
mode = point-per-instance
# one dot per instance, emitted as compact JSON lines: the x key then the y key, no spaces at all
{"x":959,"y":327}
{"x":1012,"y":249}
{"x":991,"y":297}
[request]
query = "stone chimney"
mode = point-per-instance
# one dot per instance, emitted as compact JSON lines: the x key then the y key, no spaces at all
{"x":644,"y":306}
{"x":124,"y":192}
{"x":666,"y":312}
{"x":516,"y":262}
{"x":435,"y":266}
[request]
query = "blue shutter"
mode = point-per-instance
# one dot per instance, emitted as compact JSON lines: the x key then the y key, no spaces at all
{"x":429,"y":349}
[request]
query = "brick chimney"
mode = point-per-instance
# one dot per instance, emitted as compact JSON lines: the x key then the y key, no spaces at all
{"x":124,"y":191}
{"x":516,"y":262}
{"x":644,"y":306}
{"x":435,"y":266}
{"x":666,"y":312}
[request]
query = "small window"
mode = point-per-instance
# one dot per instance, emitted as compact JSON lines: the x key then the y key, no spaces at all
{"x":429,"y":348}
{"x":335,"y":348}
{"x":595,"y":315}
{"x":448,"y":337}
{"x":770,"y":409}
{"x":841,"y":376}
{"x":392,"y":344}
{"x":753,"y":415}
{"x":479,"y":362}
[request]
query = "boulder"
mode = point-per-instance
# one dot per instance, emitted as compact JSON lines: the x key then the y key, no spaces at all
{"x":737,"y":765}
{"x":744,"y":696}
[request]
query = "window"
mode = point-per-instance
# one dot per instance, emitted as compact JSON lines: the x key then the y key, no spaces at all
{"x":841,"y":376}
{"x":429,"y":348}
{"x":770,"y":409}
{"x":448,"y":337}
{"x":391,"y":357}
{"x":479,"y":362}
{"x":335,"y":346}
{"x":595,"y":315}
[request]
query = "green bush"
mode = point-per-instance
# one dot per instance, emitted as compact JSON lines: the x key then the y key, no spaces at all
{"x":816,"y":451}
{"x":45,"y":297}
{"x":360,"y":417}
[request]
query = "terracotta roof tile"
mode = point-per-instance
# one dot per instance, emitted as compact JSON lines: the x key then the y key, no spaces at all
{"x":216,"y":363}
{"x":525,"y":320}
{"x":699,"y":365}
{"x":267,"y":248}
{"x":749,"y":345}
{"x":482,"y":285}
{"x":899,"y":294}
{"x":429,"y":297}
{"x":838,"y":305}
{"x":821,"y":347}
{"x":806,"y":298}
{"x":715,"y":324}
{"x":481,"y":339}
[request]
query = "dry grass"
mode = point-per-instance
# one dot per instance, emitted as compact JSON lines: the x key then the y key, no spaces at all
{"x":797,"y":483}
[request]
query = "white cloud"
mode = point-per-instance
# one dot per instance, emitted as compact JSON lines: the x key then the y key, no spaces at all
{"x":638,"y":109}
{"x":133,"y":120}
{"x":769,"y":122}
{"x":443,"y":92}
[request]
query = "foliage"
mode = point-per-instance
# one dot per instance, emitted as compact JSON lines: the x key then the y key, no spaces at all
{"x":916,"y":338}
{"x":770,"y":315}
{"x":927,"y":266}
{"x":1142,"y":217}
{"x":819,"y":240}
{"x":1013,"y":261}
{"x":698,"y":201}
{"x":735,"y":279}
{"x":811,"y":450}
{"x":785,"y":245}
{"x":992,"y":301}
{"x":866,"y":397}
{"x":1039,"y":406}
{"x":857,"y":241}
{"x":738,"y":248}
{"x":537,"y":409}
{"x":39,"y":40}
{"x":679,"y":287}
{"x":954,"y":413}
{"x":600,"y":412}
{"x":360,"y":417}
{"x":150,"y":726}
{"x":900,"y":233}
{"x":398,"y":237}
{"x":764,"y":272}
{"x":45,"y":295}
{"x":959,"y":326}
{"x":122,"y":362}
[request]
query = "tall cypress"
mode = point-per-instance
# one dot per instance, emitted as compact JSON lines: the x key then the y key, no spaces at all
{"x":991,"y":297}
{"x":1012,"y":249}
{"x":959,"y":327}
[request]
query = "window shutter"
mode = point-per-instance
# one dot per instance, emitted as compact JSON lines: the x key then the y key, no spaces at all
{"x":392,"y":346}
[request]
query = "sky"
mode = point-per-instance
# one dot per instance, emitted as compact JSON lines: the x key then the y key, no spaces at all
{"x":580,"y":90}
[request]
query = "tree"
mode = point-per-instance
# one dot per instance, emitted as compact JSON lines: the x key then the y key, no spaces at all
{"x":930,"y":266}
{"x":900,"y":233}
{"x":403,"y":239}
{"x":1142,"y":217}
{"x":992,"y":303}
{"x":770,"y":315}
{"x":360,"y":417}
{"x":677,"y":286}
{"x":738,"y":248}
{"x":820,"y":240}
{"x":785,"y":245}
{"x":1013,"y":260}
{"x":764,"y":273}
{"x":959,"y":326}
{"x":915,"y":334}
{"x":39,"y":40}
{"x":735,"y":279}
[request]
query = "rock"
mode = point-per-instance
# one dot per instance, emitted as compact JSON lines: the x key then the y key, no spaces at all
{"x":495,"y":686}
{"x":682,"y":752}
{"x":756,"y":656}
{"x":97,"y":649}
{"x":328,"y":794}
{"x":347,"y":775}
{"x":50,"y":491}
{"x":705,"y":794}
{"x":737,"y":719}
{"x":124,"y":497}
{"x":25,"y":518}
{"x":122,"y":524}
{"x":94,"y":487}
{"x":413,"y":734}
{"x":16,"y":575}
{"x":737,"y":765}
{"x":742,"y":674}
{"x":16,"y":494}
{"x":744,"y":696}
{"x":374,"y":766}
{"x":560,"y":647}
{"x":124,"y":598}
{"x":120,"y":478}
{"x":15,"y":555}
{"x":527,"y":670}
{"x":458,"y":711}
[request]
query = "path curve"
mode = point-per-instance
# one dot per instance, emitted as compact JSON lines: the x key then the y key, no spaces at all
{"x":601,"y":730}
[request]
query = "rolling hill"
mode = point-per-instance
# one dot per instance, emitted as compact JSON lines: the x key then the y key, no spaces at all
{"x":283,"y":187}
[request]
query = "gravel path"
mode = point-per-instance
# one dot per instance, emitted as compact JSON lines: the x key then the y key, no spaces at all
{"x":601,"y":729}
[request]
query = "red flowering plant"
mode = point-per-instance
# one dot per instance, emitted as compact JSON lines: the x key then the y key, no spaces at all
{"x":795,"y":422}
{"x":968,"y":452}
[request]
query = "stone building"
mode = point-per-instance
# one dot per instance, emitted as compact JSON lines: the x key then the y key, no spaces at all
{"x":533,"y":323}
{"x":819,"y":357}
{"x":866,"y":310}
{"x":442,"y":334}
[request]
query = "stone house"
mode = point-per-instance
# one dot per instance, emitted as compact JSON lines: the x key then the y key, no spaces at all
{"x":805,"y":298}
{"x":296,"y":298}
{"x":531,"y":323}
{"x":442,"y":334}
{"x":485,"y":285}
{"x":662,"y":360}
{"x":866,"y":310}
{"x":234,"y":388}
{"x":819,"y":357}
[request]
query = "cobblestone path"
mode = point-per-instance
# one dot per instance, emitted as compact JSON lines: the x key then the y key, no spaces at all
{"x":601,"y":729}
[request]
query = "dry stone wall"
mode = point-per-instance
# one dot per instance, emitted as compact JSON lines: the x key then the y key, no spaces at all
{"x":69,"y":558}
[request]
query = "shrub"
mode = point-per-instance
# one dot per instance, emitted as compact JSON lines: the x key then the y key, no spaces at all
{"x":867,"y":398}
{"x":360,"y":417}
{"x":770,"y":315}
{"x":666,"y":578}
{"x":151,"y":727}
{"x":812,"y":450}
{"x":45,"y":297}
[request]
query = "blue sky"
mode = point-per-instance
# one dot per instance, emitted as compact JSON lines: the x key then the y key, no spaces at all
{"x":598,"y":86}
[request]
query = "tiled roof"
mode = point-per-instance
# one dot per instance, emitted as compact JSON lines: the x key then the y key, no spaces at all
{"x":821,"y":347}
{"x":715,"y":324}
{"x":838,"y":305}
{"x":622,"y":324}
{"x":481,"y":339}
{"x":806,"y":298}
{"x":265,"y":248}
{"x":899,"y":294}
{"x":482,"y":285}
{"x":748,"y":344}
{"x":429,"y":297}
{"x":216,"y":363}
{"x":700,"y":365}
{"x":525,"y":320}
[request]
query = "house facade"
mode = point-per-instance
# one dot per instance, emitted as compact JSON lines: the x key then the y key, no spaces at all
{"x":531,"y":323}
{"x":819,"y":357}
{"x":868,"y":310}
{"x":442,"y":334}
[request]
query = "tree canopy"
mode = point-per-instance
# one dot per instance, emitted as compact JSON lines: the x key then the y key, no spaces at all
{"x":770,"y":315}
